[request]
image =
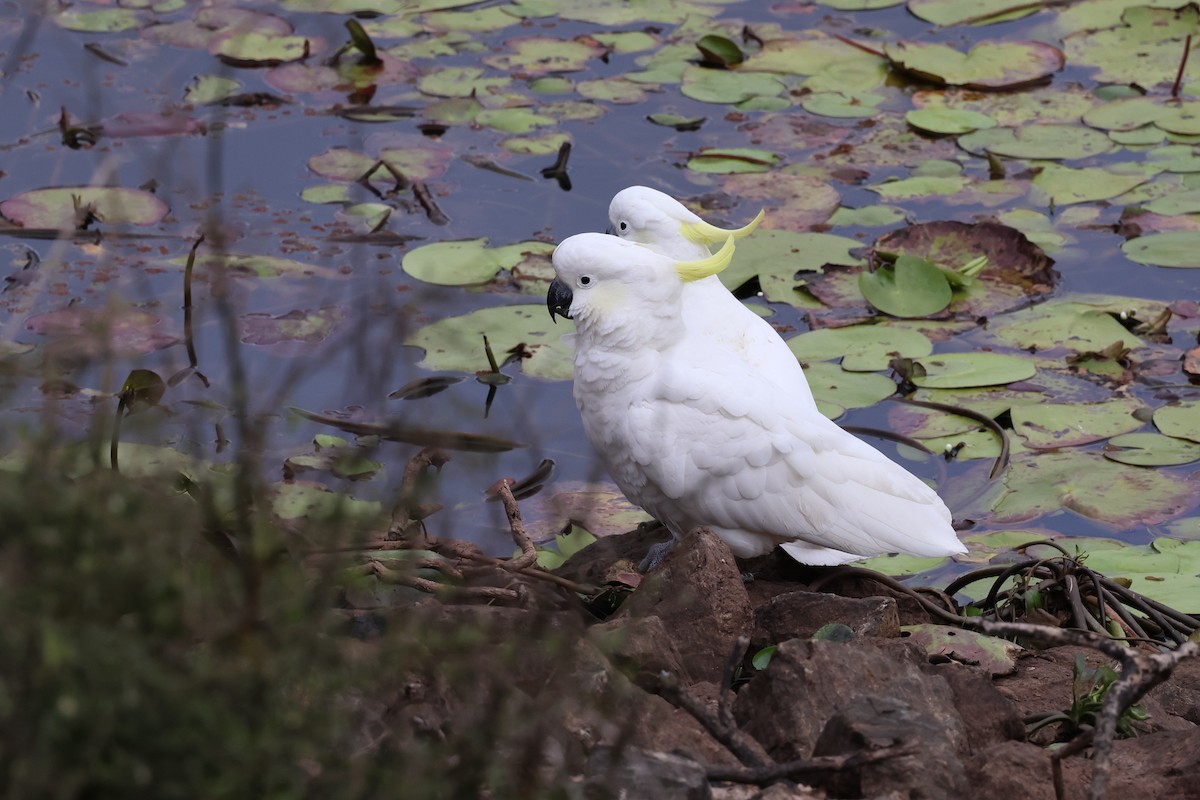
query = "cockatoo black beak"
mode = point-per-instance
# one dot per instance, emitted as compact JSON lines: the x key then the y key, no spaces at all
{"x":558,"y":299}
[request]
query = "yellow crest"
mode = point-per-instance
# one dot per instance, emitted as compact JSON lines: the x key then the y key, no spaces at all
{"x":695,"y":270}
{"x":704,"y":233}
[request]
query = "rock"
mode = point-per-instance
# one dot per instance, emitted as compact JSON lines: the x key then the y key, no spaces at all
{"x":798,"y":615}
{"x":641,"y":647}
{"x":631,"y":772}
{"x":930,"y":771}
{"x":808,"y":682}
{"x":594,"y":563}
{"x":698,"y":595}
{"x":1020,"y":770}
{"x":1164,"y":764}
{"x":990,"y":716}
{"x":1180,"y":695}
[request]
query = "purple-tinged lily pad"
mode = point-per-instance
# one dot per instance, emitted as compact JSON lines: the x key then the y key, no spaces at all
{"x":987,"y":66}
{"x":60,"y":208}
{"x":99,"y":332}
{"x":309,"y":326}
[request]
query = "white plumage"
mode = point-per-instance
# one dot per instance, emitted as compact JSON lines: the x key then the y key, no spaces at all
{"x":697,"y":435}
{"x":658,"y":221}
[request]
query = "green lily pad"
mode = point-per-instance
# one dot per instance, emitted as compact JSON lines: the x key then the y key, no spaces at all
{"x":255,"y":266}
{"x":461,"y":82}
{"x":732,"y":159}
{"x":1181,"y":420}
{"x":1151,"y":450}
{"x":948,"y":120}
{"x":455,"y":344}
{"x":1080,"y":323}
{"x":260,"y":49}
{"x":1177,"y":249}
{"x":1064,"y":185}
{"x":843,"y":105}
{"x":988,"y":65}
{"x":1052,"y":425}
{"x":1144,"y":49}
{"x":101,"y":20}
{"x":912,"y":287}
{"x":1038,"y":141}
{"x":862,"y":348}
{"x":309,"y":502}
{"x":467,"y":262}
{"x":543,"y":55}
{"x":1166,"y":570}
{"x":833,"y":385}
{"x":513,"y":120}
{"x":722,"y":86}
{"x":996,"y":656}
{"x":1092,"y":486}
{"x":64,"y":208}
{"x":946,"y":13}
{"x":899,"y":565}
{"x":920,"y":187}
{"x":208,"y":89}
{"x":776,"y":257}
{"x":876,"y":216}
{"x":965,"y":370}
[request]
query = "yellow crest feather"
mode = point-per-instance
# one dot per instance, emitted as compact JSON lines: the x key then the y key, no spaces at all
{"x":695,"y":270}
{"x":703,"y":233}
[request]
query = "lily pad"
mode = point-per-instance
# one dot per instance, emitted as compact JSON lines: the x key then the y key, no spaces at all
{"x":1053,"y":425}
{"x":64,"y":208}
{"x":455,"y":344}
{"x":309,"y":326}
{"x":1180,"y":249}
{"x":732,"y":159}
{"x":1151,"y":450}
{"x":964,"y":370}
{"x":1093,"y":487}
{"x":1166,"y":570}
{"x":1079,"y":323}
{"x":776,"y":257}
{"x":543,"y":55}
{"x":912,"y":287}
{"x":988,"y":65}
{"x":1064,"y":185}
{"x":1038,"y":141}
{"x":996,"y":656}
{"x":862,"y":348}
{"x":948,"y":120}
{"x":833,"y":385}
{"x":1181,"y":420}
{"x":1144,"y":49}
{"x":467,"y":262}
{"x":721,"y":86}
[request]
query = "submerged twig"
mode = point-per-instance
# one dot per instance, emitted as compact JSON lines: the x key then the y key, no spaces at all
{"x":1001,"y":462}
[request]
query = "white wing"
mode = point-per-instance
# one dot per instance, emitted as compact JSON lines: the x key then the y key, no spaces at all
{"x":719,"y":445}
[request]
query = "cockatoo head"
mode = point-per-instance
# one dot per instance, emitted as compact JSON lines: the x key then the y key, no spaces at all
{"x":647,"y":216}
{"x":608,"y":282}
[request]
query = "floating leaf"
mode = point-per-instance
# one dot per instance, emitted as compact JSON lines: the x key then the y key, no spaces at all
{"x":719,"y":86}
{"x":988,"y":65}
{"x":842,"y":105}
{"x":467,"y":262}
{"x":1181,"y":420}
{"x":912,"y":287}
{"x":719,"y":50}
{"x":1064,"y":185}
{"x":835,"y":386}
{"x":1177,"y":249}
{"x":456,"y":344}
{"x":732,"y":159}
{"x":963,"y":370}
{"x":542,"y":55}
{"x":1052,"y":425}
{"x":1080,"y":323}
{"x":250,"y":49}
{"x":1144,"y":49}
{"x":862,"y":348}
{"x":948,"y":120}
{"x":1038,"y":142}
{"x":1151,"y":450}
{"x":1092,"y":486}
{"x":308,"y":325}
{"x":677,"y":122}
{"x":1166,"y":570}
{"x":947,"y":13}
{"x":61,"y":208}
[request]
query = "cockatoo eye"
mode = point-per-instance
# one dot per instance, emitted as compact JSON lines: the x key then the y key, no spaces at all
{"x":584,"y":281}
{"x":624,"y":226}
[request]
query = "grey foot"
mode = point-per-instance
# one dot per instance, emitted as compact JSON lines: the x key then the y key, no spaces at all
{"x":655,"y":555}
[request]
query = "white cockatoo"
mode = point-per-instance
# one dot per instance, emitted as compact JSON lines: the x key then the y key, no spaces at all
{"x":696,"y":435}
{"x":658,"y":221}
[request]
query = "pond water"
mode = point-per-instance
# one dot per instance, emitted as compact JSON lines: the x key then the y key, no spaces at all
{"x":807,"y":125}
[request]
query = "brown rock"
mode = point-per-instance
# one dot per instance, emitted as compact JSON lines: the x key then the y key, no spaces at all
{"x":641,"y":647}
{"x":593,"y":564}
{"x":633,"y":772}
{"x":989,"y":716}
{"x":808,"y":682}
{"x":698,"y":595}
{"x":798,"y":615}
{"x":930,"y":771}
{"x":1012,"y":770}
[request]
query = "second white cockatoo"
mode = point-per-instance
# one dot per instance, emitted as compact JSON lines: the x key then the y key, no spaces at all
{"x":663,"y":224}
{"x":696,"y":435}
